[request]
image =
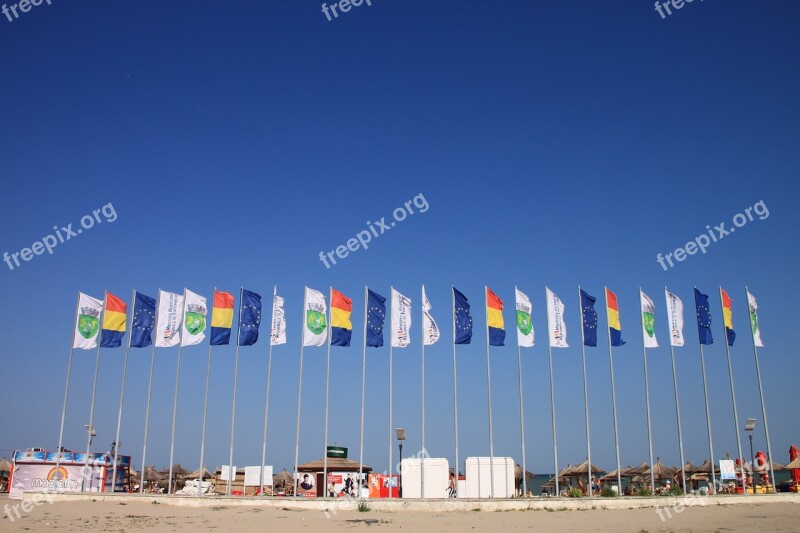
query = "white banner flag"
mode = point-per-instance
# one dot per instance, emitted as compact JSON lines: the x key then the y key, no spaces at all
{"x":648,"y":321}
{"x":401,"y":320}
{"x":87,"y":322}
{"x":752,"y":305}
{"x":278,"y":334}
{"x":675,"y":317}
{"x":194,"y":319}
{"x":555,"y":321}
{"x":524,"y":323}
{"x":315,"y":328}
{"x":170,"y":320}
{"x":430,"y":331}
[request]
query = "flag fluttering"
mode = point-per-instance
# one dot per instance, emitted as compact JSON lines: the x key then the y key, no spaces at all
{"x":703,"y":317}
{"x":401,"y":320}
{"x":523,"y":315}
{"x":315,"y":326}
{"x":376,"y":317}
{"x":494,"y":319}
{"x":727,"y":316}
{"x":462,"y":318}
{"x":194,"y":319}
{"x":430,"y":331}
{"x":753,"y":308}
{"x":278,"y":332}
{"x":675,"y":317}
{"x":221,"y":318}
{"x":555,"y":321}
{"x":114,"y":319}
{"x":249,"y":318}
{"x":589,"y":319}
{"x":144,"y":320}
{"x":341,"y":327}
{"x":648,"y":321}
{"x":612,"y":313}
{"x":170,"y":319}
{"x":87,"y":322}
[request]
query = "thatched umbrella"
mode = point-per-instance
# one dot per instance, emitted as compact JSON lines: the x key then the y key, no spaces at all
{"x":179,"y":471}
{"x":661,"y":471}
{"x":5,"y":466}
{"x":151,"y":474}
{"x":581,"y":470}
{"x":705,"y":468}
{"x":196,"y":474}
{"x":283,"y":478}
{"x":611,"y":476}
{"x":636,"y":471}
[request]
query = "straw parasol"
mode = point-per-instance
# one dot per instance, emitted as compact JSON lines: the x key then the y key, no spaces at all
{"x":196,"y":474}
{"x":580,"y":470}
{"x":660,"y":471}
{"x":636,"y":471}
{"x":705,"y":468}
{"x":792,"y":465}
{"x":5,"y":466}
{"x":282,"y":478}
{"x":689,"y":468}
{"x":178,"y":471}
{"x":611,"y":476}
{"x":151,"y":474}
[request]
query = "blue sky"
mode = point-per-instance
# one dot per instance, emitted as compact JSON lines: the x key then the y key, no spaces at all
{"x":556,"y":143}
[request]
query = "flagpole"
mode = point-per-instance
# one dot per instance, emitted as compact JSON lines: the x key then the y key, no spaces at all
{"x":647,"y":400}
{"x":153,"y":334}
{"x":231,"y":470}
{"x":761,"y":395}
{"x":733,"y":394}
{"x":122,"y":398}
{"x":521,"y":411}
{"x":391,"y":479}
{"x":91,"y":406}
{"x":205,"y":410}
{"x":266,"y":406}
{"x":489,"y":393}
{"x":175,"y":400}
{"x":677,"y":402}
{"x":327,"y":395}
{"x":422,"y":419}
{"x":585,"y":398}
{"x":363,"y":389}
{"x":300,"y":396}
{"x":455,"y":387}
{"x":613,"y":396}
{"x":552,"y":401}
{"x":66,"y":394}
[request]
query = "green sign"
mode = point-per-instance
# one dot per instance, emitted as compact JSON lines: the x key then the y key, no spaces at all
{"x":337,"y":451}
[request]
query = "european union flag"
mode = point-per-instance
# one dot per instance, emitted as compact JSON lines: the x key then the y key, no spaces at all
{"x":589,"y":319}
{"x":376,"y":316}
{"x":463,"y":318}
{"x":249,"y":318}
{"x":703,"y":317}
{"x":144,"y":320}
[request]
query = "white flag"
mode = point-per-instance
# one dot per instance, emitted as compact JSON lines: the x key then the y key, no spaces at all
{"x":752,"y":305}
{"x":648,"y":321}
{"x":170,"y":319}
{"x":278,"y":335}
{"x":430,"y":331}
{"x":401,"y":320}
{"x":524,"y":323}
{"x":315,"y":328}
{"x":194,"y":319}
{"x":87,"y":322}
{"x":555,"y":321}
{"x":675,"y":316}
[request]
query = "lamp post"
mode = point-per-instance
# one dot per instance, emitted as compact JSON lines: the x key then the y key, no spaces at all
{"x":401,"y":436}
{"x":749,"y":426}
{"x":91,"y":433}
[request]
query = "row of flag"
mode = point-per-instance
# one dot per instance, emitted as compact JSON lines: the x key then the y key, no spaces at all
{"x":181,"y":319}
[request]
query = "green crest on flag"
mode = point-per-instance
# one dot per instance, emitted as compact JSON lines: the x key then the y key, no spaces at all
{"x":649,"y":324}
{"x":195,"y":323}
{"x":88,"y":326}
{"x":754,"y":321}
{"x":524,"y":323}
{"x":315,"y":321}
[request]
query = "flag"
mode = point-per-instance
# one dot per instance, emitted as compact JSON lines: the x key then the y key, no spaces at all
{"x":703,"y":317}
{"x":376,"y":316}
{"x":221,"y":318}
{"x":524,"y":322}
{"x":315,"y":329}
{"x":114,"y":319}
{"x":462,"y":318}
{"x":249,"y":317}
{"x":341,"y":327}
{"x":278,"y":333}
{"x":648,"y":321}
{"x":430,"y":330}
{"x":727,"y":316}
{"x":87,"y":322}
{"x":144,"y":319}
{"x":555,"y":321}
{"x":752,"y":305}
{"x":612,"y":313}
{"x":494,"y":319}
{"x":675,"y":317}
{"x":194,"y":319}
{"x":170,"y":319}
{"x":401,"y":320}
{"x":589,"y":316}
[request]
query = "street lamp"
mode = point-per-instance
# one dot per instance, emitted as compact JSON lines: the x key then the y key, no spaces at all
{"x":401,"y":436}
{"x":749,"y":426}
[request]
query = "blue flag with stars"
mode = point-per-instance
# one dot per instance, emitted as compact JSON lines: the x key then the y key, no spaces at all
{"x":144,"y":320}
{"x":703,"y":317}
{"x":376,"y":316}
{"x":462,"y":318}
{"x":589,"y":319}
{"x":249,"y":317}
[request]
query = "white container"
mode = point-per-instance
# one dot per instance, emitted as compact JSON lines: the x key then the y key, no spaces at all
{"x":478,"y":474}
{"x":436,"y":477}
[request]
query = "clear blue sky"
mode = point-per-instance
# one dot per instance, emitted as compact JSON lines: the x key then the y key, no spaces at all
{"x":556,"y":143}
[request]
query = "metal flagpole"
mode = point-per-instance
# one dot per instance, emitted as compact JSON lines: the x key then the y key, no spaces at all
{"x":266,"y":406}
{"x":205,"y":411}
{"x":585,"y":400}
{"x":552,"y":401}
{"x":647,"y":400}
{"x":175,"y":400}
{"x":521,"y":413}
{"x":677,"y":402}
{"x":300,"y":396}
{"x":391,"y":479}
{"x":91,"y":406}
{"x":327,"y":395}
{"x":455,"y":389}
{"x":708,"y":422}
{"x":66,"y":396}
{"x":122,"y":398}
{"x":149,"y":391}
{"x":231,"y":470}
{"x":761,"y":395}
{"x":363,"y":389}
{"x":489,"y":393}
{"x":422,"y":419}
{"x":733,"y":395}
{"x":613,"y":398}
